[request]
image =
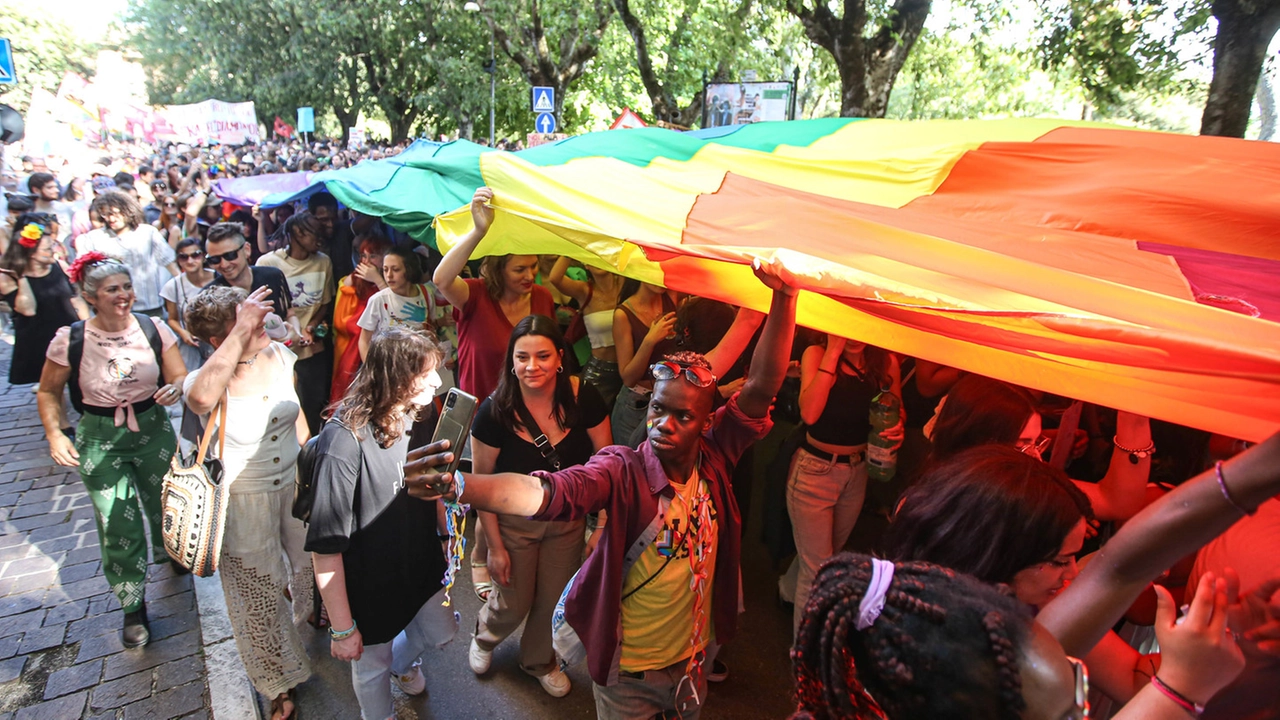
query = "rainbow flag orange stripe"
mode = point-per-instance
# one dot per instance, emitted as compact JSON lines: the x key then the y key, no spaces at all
{"x":1129,"y":268}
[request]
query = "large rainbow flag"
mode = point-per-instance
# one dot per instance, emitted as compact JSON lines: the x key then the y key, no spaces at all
{"x":1133,"y":269}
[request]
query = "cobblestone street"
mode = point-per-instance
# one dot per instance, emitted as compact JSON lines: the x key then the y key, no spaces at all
{"x":60,"y":651}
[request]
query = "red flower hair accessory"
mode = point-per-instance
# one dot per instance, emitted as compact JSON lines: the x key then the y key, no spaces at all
{"x":83,"y":263}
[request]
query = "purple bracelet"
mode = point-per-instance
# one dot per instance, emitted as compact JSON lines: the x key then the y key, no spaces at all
{"x":1222,"y":485}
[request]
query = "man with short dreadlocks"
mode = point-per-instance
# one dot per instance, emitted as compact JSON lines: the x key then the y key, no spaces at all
{"x":662,"y":586}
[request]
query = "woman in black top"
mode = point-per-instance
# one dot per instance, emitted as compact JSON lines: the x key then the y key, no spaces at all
{"x":532,"y":561}
{"x":828,"y":479}
{"x":377,"y":557}
{"x":40,"y":294}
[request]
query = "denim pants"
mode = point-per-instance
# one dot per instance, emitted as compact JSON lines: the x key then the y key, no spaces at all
{"x":629,"y":412}
{"x":654,"y":694}
{"x":823,"y":499}
{"x":433,"y":626}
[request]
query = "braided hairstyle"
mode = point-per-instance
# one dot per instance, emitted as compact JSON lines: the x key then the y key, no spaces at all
{"x":945,"y":646}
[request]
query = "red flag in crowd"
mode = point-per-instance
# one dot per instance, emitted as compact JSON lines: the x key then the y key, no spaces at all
{"x":283,"y":128}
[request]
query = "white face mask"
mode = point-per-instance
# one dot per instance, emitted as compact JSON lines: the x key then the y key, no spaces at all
{"x":424,"y":398}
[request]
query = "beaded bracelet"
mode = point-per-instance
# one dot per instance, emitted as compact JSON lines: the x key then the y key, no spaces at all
{"x":1222,"y":485}
{"x":343,"y":634}
{"x":1135,"y":454}
{"x":1195,"y":709}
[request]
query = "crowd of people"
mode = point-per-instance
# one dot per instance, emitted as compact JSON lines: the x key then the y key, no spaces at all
{"x":607,"y":464}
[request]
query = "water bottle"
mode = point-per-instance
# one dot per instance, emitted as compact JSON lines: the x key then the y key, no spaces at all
{"x":882,"y":458}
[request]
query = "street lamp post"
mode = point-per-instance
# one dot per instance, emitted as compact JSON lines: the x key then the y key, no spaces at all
{"x":491,"y":68}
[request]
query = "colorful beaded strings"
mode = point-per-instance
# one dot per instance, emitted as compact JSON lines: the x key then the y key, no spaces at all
{"x":455,"y":513}
{"x":699,"y":550}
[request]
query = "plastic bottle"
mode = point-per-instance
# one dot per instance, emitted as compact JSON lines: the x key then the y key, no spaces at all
{"x":882,"y":458}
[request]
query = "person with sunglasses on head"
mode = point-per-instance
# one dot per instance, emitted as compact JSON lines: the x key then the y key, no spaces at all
{"x":178,"y":294}
{"x":661,"y":589}
{"x":139,"y":246}
{"x":980,"y":410}
{"x":122,"y":369}
{"x":226,"y":252}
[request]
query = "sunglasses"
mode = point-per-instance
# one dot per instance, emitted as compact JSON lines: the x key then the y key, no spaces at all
{"x":1081,"y":709}
{"x":172,"y":205}
{"x":1035,"y":449}
{"x":216,"y":260}
{"x":667,"y":370}
{"x":192,"y":256}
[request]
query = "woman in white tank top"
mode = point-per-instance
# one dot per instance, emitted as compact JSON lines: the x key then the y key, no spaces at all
{"x":597,"y":299}
{"x":264,"y":431}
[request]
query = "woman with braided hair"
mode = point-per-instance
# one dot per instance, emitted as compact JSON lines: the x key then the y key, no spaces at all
{"x":885,"y":640}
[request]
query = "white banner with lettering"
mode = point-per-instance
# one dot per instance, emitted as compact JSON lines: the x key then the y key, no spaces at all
{"x":210,"y":121}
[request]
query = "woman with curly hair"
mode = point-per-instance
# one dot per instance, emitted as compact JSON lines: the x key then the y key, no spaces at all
{"x":898,"y":640}
{"x":126,"y":238}
{"x":378,"y":560}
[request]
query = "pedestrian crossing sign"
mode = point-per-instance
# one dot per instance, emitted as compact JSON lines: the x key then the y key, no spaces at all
{"x":7,"y":74}
{"x":544,"y":99}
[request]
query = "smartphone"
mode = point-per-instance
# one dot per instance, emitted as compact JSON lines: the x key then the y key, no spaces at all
{"x":455,"y":424}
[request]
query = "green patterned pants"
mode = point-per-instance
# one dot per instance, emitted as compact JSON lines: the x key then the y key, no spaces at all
{"x":124,"y":473}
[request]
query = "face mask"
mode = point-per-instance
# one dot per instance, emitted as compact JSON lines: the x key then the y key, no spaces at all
{"x":428,"y":393}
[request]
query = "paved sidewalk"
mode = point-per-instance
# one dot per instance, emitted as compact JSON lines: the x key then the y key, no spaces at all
{"x":60,"y":651}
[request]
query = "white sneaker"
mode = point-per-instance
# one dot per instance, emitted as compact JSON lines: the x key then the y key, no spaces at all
{"x":479,"y":658}
{"x":556,"y":683}
{"x":412,"y":682}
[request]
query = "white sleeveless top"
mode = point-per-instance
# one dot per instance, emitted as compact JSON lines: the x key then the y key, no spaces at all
{"x":262,"y":439}
{"x":599,"y":328}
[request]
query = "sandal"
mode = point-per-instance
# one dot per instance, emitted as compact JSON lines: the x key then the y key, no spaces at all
{"x":482,"y":587}
{"x":289,"y":697}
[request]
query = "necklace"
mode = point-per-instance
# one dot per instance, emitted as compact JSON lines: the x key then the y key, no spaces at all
{"x":250,"y":361}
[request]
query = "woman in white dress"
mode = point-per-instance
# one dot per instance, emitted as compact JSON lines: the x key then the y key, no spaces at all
{"x":264,"y":430}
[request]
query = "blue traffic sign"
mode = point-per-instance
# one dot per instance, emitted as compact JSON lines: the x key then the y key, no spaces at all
{"x":543,"y":99}
{"x":7,"y":74}
{"x":546,"y":123}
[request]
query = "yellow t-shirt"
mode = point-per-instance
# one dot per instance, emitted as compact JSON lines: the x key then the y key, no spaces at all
{"x":657,"y":620}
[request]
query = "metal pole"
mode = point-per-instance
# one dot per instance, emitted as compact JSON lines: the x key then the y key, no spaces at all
{"x":493,"y":80}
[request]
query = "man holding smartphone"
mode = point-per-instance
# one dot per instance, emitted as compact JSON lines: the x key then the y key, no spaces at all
{"x":661,"y":589}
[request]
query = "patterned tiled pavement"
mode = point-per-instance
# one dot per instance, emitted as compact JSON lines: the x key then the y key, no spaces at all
{"x":60,"y":651}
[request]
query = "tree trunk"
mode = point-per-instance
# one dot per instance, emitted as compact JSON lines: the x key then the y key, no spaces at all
{"x":1245,"y":29}
{"x":1266,"y":109}
{"x":868,"y":65}
{"x":347,"y":119}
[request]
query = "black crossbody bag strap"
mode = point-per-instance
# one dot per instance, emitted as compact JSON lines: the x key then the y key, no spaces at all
{"x":541,"y":441}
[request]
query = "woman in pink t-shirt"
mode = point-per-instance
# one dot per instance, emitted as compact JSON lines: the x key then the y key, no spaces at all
{"x":124,"y":441}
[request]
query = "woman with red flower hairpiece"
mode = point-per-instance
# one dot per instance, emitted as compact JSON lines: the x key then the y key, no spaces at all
{"x":41,"y":296}
{"x":121,"y":368}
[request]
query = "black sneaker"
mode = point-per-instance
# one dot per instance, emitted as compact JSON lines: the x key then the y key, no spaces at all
{"x":136,"y":633}
{"x":719,"y":672}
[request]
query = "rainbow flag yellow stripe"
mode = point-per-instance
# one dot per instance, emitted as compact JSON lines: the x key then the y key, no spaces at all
{"x":1129,"y":268}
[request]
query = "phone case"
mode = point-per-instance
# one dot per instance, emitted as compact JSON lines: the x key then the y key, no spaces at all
{"x":455,"y":424}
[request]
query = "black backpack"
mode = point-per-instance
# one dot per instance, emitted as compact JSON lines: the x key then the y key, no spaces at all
{"x":304,"y":484}
{"x":75,"y":351}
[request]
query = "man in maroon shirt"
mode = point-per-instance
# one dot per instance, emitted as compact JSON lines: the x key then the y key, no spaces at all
{"x":663,"y":584}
